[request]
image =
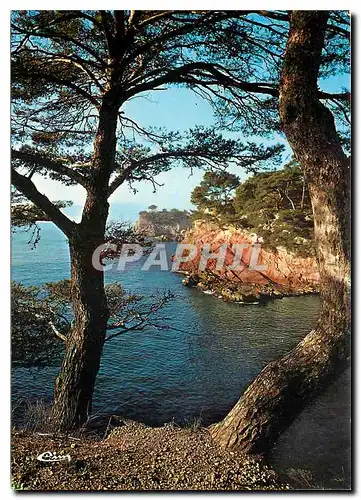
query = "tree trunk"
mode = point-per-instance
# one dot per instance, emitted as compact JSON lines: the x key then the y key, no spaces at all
{"x":285,"y":386}
{"x":75,"y":384}
{"x":290,"y":200}
{"x":303,"y":191}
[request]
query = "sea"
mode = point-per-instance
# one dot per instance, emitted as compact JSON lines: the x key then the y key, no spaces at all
{"x":198,"y":369}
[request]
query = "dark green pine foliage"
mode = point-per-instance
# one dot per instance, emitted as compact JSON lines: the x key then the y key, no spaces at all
{"x":276,"y":205}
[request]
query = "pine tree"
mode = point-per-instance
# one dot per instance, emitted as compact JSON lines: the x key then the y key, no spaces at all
{"x":72,"y":74}
{"x":286,"y":385}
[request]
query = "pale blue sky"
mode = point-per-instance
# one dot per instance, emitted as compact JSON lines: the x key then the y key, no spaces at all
{"x":175,"y":109}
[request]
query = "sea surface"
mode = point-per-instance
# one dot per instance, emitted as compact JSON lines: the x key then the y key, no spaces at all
{"x":199,"y":369}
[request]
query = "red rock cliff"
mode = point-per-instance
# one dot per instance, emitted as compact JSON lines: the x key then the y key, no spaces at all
{"x":282,"y":267}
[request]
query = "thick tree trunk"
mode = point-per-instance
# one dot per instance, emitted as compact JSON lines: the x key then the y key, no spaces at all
{"x":75,"y":385}
{"x":285,"y":386}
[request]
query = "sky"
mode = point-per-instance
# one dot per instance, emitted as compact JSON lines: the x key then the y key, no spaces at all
{"x":175,"y":109}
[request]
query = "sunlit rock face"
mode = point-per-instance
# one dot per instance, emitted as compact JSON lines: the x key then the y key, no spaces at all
{"x":281,"y":267}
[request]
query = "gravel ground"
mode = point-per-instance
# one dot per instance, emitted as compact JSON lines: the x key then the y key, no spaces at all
{"x":136,"y":457}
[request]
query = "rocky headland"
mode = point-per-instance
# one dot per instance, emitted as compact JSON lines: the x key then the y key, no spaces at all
{"x":164,"y":225}
{"x":286,"y":273}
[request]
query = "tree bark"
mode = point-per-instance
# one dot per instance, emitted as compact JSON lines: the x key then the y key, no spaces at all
{"x":287,"y":385}
{"x":75,"y":384}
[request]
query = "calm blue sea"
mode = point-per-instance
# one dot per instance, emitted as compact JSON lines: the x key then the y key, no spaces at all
{"x":199,"y":370}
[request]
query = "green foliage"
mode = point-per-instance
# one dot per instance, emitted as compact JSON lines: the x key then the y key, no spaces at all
{"x":61,"y":73}
{"x":215,"y":192}
{"x":281,"y":189}
{"x":33,"y":312}
{"x":41,"y":319}
{"x":17,"y":485}
{"x":275,"y":205}
{"x":120,"y":232}
{"x":24,"y":213}
{"x":166,"y":217}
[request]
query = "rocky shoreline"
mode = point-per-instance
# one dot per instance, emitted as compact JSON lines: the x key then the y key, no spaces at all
{"x":244,"y":293}
{"x":279,"y":272}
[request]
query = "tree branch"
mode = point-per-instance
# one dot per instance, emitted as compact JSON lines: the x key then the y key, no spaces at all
{"x":65,"y":37}
{"x":183,"y":72}
{"x":57,"y":332}
{"x":138,"y":326}
{"x":54,"y":166}
{"x":340,"y":31}
{"x":159,"y":15}
{"x":108,"y":24}
{"x":28,"y":189}
{"x":208,"y":17}
{"x":77,"y":62}
{"x":343,"y":96}
{"x":175,"y":76}
{"x":60,"y":81}
{"x":118,"y":181}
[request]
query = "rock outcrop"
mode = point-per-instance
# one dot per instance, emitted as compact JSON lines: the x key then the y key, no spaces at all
{"x":285,"y":273}
{"x":166,"y":225}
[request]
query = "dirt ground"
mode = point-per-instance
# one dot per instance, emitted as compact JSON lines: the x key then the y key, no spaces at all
{"x":136,"y":457}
